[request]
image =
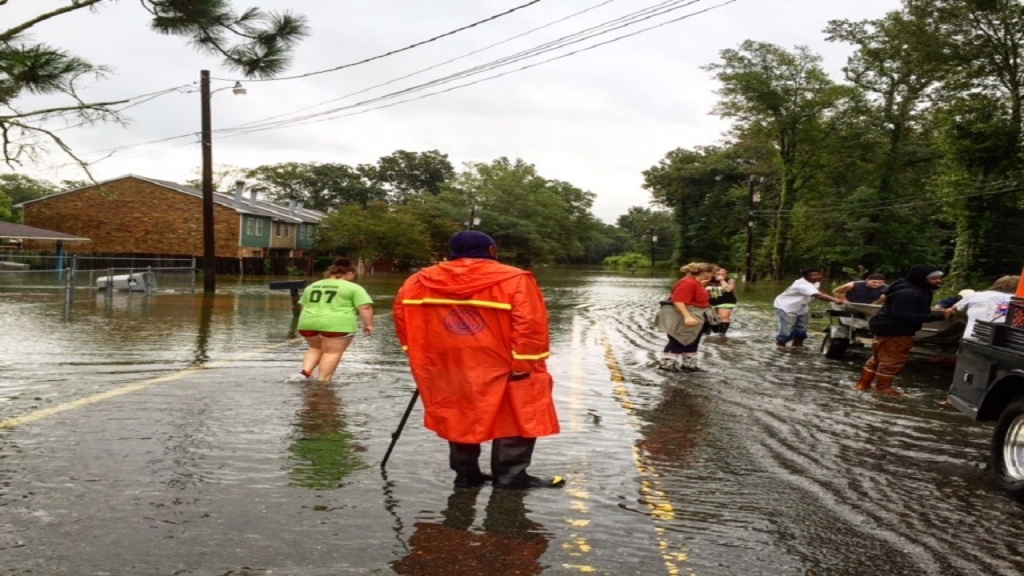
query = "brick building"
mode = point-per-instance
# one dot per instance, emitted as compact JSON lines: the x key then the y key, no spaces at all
{"x":134,"y":214}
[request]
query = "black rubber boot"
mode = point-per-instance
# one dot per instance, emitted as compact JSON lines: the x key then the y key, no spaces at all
{"x":723,"y":327}
{"x":510,"y":457}
{"x":464,"y":459}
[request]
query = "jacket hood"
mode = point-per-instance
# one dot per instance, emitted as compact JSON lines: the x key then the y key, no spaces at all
{"x":462,"y":278}
{"x":918,"y":276}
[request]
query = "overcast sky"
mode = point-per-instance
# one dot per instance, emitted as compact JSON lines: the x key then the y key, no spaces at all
{"x":596,"y":119}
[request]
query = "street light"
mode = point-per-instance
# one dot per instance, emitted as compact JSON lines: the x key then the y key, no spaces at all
{"x":209,"y":250}
{"x":654,"y":240}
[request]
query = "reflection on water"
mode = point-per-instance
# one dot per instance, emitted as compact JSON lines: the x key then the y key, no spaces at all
{"x":674,"y":428}
{"x":323,"y":451}
{"x":201,"y":356}
{"x":769,"y":463}
{"x":508,"y":542}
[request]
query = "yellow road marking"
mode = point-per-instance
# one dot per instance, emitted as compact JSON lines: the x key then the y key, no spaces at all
{"x":577,"y":546}
{"x":661,"y":509}
{"x":129,"y":388}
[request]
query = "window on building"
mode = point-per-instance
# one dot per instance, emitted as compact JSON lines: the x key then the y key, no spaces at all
{"x":248,"y":226}
{"x":259,"y":226}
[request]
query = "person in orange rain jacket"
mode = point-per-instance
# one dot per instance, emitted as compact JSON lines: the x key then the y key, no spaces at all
{"x":476,"y":332}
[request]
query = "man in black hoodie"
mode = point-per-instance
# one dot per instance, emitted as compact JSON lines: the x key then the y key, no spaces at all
{"x":908,"y":305}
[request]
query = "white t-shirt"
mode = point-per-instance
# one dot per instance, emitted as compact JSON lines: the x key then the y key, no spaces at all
{"x":987,"y":305}
{"x":797,"y":298}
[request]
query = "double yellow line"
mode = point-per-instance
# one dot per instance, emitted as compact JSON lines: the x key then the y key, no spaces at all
{"x":674,"y":555}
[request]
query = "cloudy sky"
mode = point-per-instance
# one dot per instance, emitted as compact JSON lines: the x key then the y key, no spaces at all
{"x":596,"y":118}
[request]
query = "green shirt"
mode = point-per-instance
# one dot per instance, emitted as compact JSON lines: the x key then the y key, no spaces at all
{"x":329,"y":305}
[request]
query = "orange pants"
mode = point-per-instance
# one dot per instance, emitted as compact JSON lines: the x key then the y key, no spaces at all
{"x":889,"y":354}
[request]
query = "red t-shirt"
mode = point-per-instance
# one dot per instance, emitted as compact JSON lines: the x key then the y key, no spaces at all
{"x":691,"y":292}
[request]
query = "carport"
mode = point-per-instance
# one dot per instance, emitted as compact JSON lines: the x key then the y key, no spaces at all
{"x":21,"y":233}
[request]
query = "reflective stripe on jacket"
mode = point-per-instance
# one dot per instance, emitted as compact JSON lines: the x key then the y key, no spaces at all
{"x":467,"y":325}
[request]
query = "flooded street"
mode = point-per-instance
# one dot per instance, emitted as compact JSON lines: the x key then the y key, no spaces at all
{"x":161,"y":435}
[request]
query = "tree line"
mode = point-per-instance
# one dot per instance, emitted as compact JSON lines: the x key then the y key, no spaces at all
{"x":913,"y":157}
{"x":406,"y":206}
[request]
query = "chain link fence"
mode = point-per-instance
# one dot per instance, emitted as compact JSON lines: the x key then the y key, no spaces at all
{"x":42,"y":272}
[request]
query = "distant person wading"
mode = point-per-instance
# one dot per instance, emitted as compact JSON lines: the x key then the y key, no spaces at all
{"x":907,"y":306}
{"x":722,"y":290}
{"x":793,"y":307}
{"x":685,"y":317}
{"x":328,"y":318}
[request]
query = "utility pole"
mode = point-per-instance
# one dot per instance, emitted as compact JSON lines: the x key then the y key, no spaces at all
{"x":209,"y":253}
{"x":749,"y":272}
{"x":654,"y":240}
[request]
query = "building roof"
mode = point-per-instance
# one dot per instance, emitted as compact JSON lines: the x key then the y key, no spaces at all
{"x":10,"y":230}
{"x":290,"y":214}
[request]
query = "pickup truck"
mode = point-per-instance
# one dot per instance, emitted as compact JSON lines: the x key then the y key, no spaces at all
{"x":988,"y":385}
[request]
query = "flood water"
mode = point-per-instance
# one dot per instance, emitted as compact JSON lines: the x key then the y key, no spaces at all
{"x":161,"y":435}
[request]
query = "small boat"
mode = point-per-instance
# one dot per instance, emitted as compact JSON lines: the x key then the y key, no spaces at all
{"x":848,"y":326}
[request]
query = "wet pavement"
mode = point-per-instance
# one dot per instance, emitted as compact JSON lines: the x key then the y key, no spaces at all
{"x":161,"y":435}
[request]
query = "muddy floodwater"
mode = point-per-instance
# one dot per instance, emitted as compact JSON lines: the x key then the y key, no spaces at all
{"x":162,"y":435}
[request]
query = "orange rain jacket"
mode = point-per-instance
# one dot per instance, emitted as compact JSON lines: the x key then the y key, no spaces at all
{"x":467,"y":325}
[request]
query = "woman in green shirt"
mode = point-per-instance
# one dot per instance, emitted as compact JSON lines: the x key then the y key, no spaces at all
{"x":328,"y":318}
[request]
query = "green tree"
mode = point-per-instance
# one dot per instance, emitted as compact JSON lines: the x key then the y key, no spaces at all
{"x":252,"y":42}
{"x":981,"y":125}
{"x":532,"y":219}
{"x":640,"y":223}
{"x":898,"y":60}
{"x":6,"y":212}
{"x":983,"y":199}
{"x":706,"y":190}
{"x":441,"y":216}
{"x":18,"y":188}
{"x":377,"y":231}
{"x":788,"y":98}
{"x":318,"y":186}
{"x":404,"y":174}
{"x":602,"y":240}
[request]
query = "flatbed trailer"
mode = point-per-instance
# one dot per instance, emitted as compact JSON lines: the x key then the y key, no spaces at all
{"x":848,"y":328}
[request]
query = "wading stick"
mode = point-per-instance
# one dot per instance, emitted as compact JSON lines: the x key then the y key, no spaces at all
{"x":398,"y":432}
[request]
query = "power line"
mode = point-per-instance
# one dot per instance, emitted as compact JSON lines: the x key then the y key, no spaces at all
{"x":386,"y":54}
{"x":143,"y":98}
{"x":548,"y":47}
{"x":854,"y":209}
{"x":429,"y":68}
{"x":618,"y":23}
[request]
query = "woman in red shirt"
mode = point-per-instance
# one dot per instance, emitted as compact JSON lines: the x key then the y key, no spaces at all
{"x":684,"y":316}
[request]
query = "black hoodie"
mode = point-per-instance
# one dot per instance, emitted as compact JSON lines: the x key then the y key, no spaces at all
{"x":908,"y":305}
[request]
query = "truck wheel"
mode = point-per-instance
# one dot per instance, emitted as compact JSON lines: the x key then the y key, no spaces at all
{"x":1008,"y":448}
{"x":834,"y":348}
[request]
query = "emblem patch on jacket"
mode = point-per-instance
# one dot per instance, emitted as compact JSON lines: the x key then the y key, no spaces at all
{"x":464,"y":322}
